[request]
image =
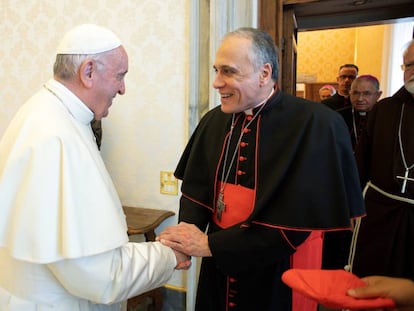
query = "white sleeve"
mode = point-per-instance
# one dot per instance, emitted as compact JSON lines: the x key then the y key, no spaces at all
{"x":116,"y":275}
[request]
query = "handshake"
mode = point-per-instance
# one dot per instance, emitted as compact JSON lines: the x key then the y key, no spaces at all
{"x":186,"y":240}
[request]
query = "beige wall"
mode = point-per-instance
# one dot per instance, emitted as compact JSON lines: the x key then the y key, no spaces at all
{"x":369,"y":53}
{"x":320,"y":53}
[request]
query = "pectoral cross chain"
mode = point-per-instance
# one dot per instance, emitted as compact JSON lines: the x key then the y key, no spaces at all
{"x":221,"y":206}
{"x":405,"y":178}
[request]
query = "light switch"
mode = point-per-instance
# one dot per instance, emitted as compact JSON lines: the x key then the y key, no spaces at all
{"x":168,"y":183}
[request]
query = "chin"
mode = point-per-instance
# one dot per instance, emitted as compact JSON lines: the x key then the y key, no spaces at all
{"x":101,"y":115}
{"x":409,"y":86}
{"x":226,"y":108}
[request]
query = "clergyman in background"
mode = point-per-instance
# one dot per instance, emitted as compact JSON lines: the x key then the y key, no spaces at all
{"x":365,"y":93}
{"x":346,"y":75}
{"x":385,"y":156}
{"x":326,"y":91}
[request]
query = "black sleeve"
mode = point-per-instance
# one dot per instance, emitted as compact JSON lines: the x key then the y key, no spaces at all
{"x":363,"y":150}
{"x":194,"y":213}
{"x":238,"y":249}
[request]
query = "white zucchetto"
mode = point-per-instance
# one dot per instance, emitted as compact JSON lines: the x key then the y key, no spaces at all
{"x":88,"y":39}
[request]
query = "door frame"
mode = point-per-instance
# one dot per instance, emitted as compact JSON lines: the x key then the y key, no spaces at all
{"x":280,"y":18}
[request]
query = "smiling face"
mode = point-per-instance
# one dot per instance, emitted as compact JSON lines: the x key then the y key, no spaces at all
{"x":241,"y":85}
{"x":109,"y":81}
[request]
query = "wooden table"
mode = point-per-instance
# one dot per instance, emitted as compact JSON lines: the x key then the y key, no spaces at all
{"x":144,"y":221}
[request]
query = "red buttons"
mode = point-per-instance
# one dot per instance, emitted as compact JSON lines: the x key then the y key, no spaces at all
{"x":243,"y":144}
{"x":242,"y":158}
{"x":246,"y":130}
{"x":239,"y":172}
{"x":249,"y":117}
{"x":232,"y":293}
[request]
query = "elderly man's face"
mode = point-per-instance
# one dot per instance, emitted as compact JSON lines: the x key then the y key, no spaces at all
{"x":237,"y":79}
{"x":110,"y":81}
{"x":363,"y":95}
{"x":409,"y":70}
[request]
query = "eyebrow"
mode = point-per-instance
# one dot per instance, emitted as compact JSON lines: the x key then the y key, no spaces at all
{"x":122,"y":74}
{"x":228,"y":67}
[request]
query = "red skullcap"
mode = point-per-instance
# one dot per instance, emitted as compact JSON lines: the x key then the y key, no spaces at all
{"x":329,"y":287}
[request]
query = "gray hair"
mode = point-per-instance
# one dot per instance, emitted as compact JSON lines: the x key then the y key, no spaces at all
{"x":407,"y":46}
{"x":66,"y":66}
{"x":263,"y":48}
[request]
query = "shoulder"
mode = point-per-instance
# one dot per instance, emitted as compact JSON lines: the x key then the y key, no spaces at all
{"x":394,"y":101}
{"x":333,"y":102}
{"x":300,"y":112}
{"x":307,"y":107}
{"x":213,"y":117}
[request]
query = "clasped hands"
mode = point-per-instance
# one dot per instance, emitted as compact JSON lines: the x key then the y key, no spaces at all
{"x":186,"y":239}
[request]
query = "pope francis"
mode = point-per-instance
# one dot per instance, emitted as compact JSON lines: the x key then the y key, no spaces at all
{"x":63,"y":234}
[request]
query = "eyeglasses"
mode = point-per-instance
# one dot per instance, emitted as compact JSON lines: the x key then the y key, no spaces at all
{"x":363,"y":93}
{"x":350,"y":77}
{"x":406,"y":67}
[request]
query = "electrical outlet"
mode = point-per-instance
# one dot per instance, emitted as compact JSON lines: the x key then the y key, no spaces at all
{"x":168,"y":183}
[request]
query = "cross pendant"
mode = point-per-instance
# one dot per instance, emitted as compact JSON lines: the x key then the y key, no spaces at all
{"x":221,"y":206}
{"x":405,"y":179}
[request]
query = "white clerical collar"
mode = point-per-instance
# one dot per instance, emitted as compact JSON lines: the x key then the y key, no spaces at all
{"x":71,"y":102}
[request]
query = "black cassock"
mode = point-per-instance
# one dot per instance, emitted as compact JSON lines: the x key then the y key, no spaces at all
{"x":385,"y":243}
{"x":296,"y":159}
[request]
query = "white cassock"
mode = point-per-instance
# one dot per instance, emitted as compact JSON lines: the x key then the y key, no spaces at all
{"x":63,"y":234}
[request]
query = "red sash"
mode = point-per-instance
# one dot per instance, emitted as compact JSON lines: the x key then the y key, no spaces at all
{"x":307,"y":256}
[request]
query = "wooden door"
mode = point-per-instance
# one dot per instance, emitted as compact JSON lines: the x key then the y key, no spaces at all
{"x":271,"y":21}
{"x":280,"y":23}
{"x":289,"y":51}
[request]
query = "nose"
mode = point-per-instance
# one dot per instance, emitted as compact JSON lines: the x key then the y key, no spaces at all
{"x":121,"y":90}
{"x":218,"y":81}
{"x":359,"y":99}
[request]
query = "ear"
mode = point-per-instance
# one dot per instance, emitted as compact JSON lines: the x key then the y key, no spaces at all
{"x":86,"y":70}
{"x":379,"y":95}
{"x":265,"y":74}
